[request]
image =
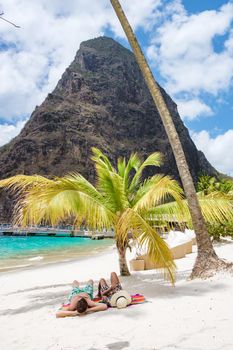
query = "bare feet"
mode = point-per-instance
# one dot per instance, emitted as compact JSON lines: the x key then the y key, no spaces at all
{"x":75,"y":283}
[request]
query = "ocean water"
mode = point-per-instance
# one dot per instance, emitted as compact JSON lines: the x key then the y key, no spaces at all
{"x":21,"y":251}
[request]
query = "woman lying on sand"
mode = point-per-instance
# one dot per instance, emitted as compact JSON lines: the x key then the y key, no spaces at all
{"x":105,"y":292}
{"x":113,"y":295}
{"x":80,"y":301}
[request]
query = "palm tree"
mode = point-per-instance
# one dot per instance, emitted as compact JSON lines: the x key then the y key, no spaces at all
{"x":207,"y":260}
{"x":119,"y":200}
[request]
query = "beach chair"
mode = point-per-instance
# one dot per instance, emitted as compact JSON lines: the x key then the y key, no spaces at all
{"x":178,"y":252}
{"x":137,"y":265}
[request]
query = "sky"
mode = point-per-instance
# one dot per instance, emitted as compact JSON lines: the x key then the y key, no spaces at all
{"x":188,"y":44}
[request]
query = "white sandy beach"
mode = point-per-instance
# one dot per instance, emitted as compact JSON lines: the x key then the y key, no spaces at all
{"x":193,"y":315}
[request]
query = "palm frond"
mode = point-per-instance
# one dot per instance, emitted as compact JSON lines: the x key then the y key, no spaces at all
{"x":121,"y":165}
{"x":71,"y":196}
{"x":168,"y":213}
{"x":158,"y":251}
{"x":216,"y":194}
{"x":157,"y":190}
{"x":133,"y":164}
{"x":20,"y":183}
{"x":111,"y":187}
{"x":124,"y":170}
{"x":214,"y":210}
{"x":154,"y":159}
{"x":109,"y":183}
{"x":101,"y":159}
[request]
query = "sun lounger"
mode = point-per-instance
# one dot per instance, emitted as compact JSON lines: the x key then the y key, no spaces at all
{"x":137,"y":265}
{"x":189,"y":247}
{"x":180,"y":245}
{"x":191,"y":234}
{"x":178,"y":252}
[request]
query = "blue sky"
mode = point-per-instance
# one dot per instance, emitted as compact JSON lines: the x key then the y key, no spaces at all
{"x":221,"y":120}
{"x":189,"y":45}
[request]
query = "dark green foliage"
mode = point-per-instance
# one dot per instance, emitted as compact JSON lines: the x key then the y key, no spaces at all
{"x":219,"y":230}
{"x":208,"y":184}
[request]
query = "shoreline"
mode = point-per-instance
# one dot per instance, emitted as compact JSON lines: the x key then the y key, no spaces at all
{"x":44,"y":265}
{"x":60,"y":273}
{"x":28,"y":259}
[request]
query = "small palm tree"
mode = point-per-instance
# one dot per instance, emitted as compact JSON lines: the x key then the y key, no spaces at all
{"x":119,"y":200}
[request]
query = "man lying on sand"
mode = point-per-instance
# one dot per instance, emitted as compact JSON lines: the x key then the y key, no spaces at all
{"x":80,"y":301}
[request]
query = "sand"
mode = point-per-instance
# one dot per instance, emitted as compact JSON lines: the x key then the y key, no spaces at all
{"x":193,"y":315}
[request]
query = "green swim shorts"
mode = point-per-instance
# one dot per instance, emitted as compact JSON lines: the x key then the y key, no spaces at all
{"x":88,"y":288}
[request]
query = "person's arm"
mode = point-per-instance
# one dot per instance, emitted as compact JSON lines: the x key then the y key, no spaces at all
{"x":65,"y":313}
{"x":96,"y":308}
{"x":107,"y":291}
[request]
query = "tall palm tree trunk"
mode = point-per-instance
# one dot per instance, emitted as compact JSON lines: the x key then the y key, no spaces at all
{"x":207,"y":259}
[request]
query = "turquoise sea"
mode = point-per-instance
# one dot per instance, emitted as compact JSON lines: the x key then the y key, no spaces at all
{"x":21,"y":251}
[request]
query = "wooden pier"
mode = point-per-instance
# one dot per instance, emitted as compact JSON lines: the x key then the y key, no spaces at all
{"x":53,"y":232}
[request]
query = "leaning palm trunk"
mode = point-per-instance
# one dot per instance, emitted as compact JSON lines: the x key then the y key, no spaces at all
{"x":207,"y":260}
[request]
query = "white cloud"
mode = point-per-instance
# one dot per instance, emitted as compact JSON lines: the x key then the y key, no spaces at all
{"x":34,"y":56}
{"x":42,"y":48}
{"x":218,"y":150}
{"x":47,"y":41}
{"x":8,"y":131}
{"x":139,"y":13}
{"x":193,"y":108}
{"x":184,"y":52}
{"x":51,"y":31}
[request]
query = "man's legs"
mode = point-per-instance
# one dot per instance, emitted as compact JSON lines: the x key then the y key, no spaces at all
{"x":74,"y":291}
{"x":89,"y":282}
{"x":75,"y":284}
{"x":89,"y":288}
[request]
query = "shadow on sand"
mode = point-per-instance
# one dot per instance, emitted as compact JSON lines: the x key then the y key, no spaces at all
{"x":150,"y":284}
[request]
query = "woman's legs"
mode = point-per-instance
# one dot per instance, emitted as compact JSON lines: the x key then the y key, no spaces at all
{"x":114,"y":280}
{"x":102,"y":282}
{"x":102,"y":286}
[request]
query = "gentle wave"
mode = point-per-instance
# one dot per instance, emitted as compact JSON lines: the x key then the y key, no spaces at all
{"x":36,"y":258}
{"x":14,"y":267}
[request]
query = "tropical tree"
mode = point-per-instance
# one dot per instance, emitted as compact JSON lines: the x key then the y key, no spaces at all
{"x":207,"y":260}
{"x":120,"y":200}
{"x":209,"y":184}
